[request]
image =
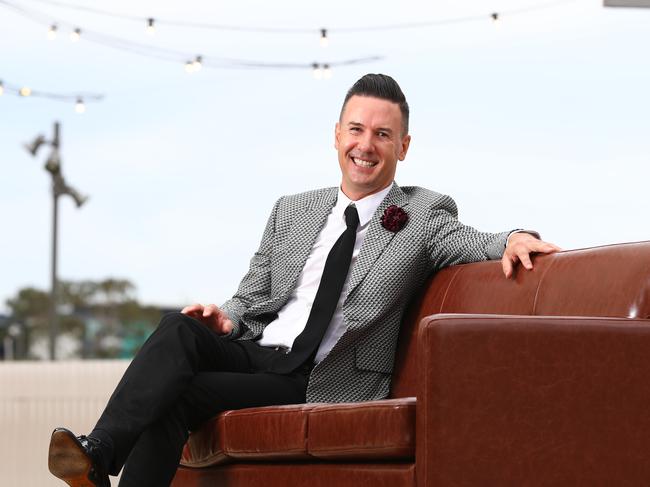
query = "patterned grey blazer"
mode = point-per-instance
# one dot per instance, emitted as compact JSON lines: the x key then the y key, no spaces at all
{"x":388,"y":271}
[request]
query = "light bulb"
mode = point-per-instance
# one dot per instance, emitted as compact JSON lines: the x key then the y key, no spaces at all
{"x":25,"y":91}
{"x":79,"y":107}
{"x":2,"y":88}
{"x":75,"y":35}
{"x":494,"y":16}
{"x":51,"y":32}
{"x":324,"y":41}
{"x":189,"y":67}
{"x":327,"y":71}
{"x":318,"y":73}
{"x":151,"y":28}
{"x":198,"y":63}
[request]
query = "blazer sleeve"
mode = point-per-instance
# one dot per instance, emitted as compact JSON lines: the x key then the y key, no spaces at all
{"x":451,"y":242}
{"x":256,"y":284}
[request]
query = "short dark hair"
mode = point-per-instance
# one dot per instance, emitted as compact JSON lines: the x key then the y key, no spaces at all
{"x":380,"y":86}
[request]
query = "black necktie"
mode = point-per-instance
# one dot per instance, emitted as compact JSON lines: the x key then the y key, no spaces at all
{"x":327,"y":297}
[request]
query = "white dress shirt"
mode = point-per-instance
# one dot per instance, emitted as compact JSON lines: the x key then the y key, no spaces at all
{"x":293,"y":316}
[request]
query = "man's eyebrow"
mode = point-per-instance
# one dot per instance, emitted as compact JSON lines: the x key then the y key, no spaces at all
{"x":379,"y":129}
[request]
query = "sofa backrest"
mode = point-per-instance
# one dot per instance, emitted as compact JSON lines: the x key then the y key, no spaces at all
{"x":612,"y":281}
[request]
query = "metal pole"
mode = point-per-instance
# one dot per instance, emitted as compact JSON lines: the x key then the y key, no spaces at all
{"x":54,"y":294}
{"x":54,"y":325}
{"x":8,"y":347}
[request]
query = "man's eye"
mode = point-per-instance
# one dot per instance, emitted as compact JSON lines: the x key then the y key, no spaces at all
{"x":382,"y":134}
{"x":355,"y":129}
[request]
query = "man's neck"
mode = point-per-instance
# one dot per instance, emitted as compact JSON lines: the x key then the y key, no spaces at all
{"x":357,"y":195}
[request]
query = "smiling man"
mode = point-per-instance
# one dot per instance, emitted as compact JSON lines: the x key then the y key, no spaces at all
{"x":370,"y":137}
{"x":315,"y":318}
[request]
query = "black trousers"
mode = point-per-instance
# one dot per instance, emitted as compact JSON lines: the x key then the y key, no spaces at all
{"x":183,"y":375}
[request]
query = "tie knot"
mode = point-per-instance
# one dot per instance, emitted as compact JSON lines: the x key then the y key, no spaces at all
{"x":352,"y":217}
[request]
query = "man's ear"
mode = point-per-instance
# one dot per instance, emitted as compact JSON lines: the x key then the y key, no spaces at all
{"x":337,"y":134}
{"x":406,"y":141}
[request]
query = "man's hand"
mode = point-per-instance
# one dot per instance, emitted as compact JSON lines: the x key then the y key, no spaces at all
{"x":211,"y":316}
{"x":520,"y":246}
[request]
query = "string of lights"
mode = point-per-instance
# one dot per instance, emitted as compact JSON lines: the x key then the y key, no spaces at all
{"x":491,"y":16}
{"x":150,"y":22}
{"x":195,"y":62}
{"x":192,"y":63}
{"x":79,"y":99}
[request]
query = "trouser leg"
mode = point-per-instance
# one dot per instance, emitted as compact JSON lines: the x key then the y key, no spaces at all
{"x":178,"y":350}
{"x":154,"y":458}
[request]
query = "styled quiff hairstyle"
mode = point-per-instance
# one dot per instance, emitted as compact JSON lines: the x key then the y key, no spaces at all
{"x":384,"y":87}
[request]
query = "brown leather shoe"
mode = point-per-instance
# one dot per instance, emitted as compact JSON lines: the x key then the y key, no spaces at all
{"x":76,"y":460}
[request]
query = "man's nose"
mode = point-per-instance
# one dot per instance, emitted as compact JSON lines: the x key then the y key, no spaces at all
{"x":364,"y":143}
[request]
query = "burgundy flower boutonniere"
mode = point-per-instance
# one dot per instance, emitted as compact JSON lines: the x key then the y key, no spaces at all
{"x":394,"y":218}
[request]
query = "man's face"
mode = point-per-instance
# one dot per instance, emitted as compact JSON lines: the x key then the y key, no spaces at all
{"x":369,"y":142}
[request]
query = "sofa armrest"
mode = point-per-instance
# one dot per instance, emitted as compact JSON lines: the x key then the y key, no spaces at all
{"x":533,"y":400}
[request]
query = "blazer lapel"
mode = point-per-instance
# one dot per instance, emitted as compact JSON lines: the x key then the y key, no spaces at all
{"x":303,"y":233}
{"x":376,"y":240}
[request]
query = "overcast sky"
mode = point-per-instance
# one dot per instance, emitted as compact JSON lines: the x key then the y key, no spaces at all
{"x":539,"y":121}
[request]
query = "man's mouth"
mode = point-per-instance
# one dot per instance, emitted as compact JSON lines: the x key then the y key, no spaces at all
{"x":363,"y":163}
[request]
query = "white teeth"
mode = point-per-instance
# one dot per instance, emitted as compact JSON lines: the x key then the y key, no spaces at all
{"x":362,"y":163}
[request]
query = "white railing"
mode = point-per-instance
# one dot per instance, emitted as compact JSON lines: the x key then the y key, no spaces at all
{"x":36,"y":397}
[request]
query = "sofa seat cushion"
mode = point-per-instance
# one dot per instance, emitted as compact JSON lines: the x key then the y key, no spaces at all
{"x":267,"y":433}
{"x":264,"y":433}
{"x":205,"y":445}
{"x":371,"y":430}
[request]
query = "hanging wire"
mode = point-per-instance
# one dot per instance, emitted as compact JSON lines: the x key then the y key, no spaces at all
{"x":172,"y":55}
{"x":26,"y":91}
{"x":175,"y":23}
{"x":196,"y":62}
{"x":302,"y":30}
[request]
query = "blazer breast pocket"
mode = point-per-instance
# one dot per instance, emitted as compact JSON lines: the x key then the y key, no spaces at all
{"x":375,"y":359}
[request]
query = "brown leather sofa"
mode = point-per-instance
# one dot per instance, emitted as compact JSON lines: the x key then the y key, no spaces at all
{"x":543,"y":380}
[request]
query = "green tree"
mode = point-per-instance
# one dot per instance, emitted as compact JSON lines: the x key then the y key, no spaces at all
{"x":29,"y":303}
{"x":103,"y":316}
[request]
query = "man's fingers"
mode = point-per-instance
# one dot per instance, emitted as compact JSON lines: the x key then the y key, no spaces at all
{"x":524,"y":257}
{"x":506,"y":265}
{"x":227,"y":326}
{"x":211,"y":315}
{"x":210,"y":309}
{"x":520,"y":248}
{"x":192,"y":309}
{"x":543,"y":247}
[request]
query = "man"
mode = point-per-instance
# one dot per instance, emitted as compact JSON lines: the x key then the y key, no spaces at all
{"x":316,"y":317}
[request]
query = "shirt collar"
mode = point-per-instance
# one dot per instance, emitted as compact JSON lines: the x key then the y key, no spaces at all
{"x":366,"y":206}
